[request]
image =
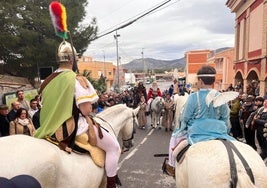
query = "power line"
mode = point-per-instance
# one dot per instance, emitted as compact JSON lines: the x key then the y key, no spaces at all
{"x":134,"y":20}
{"x":119,"y":8}
{"x":134,"y":17}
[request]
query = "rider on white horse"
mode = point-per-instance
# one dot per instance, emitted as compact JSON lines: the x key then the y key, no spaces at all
{"x":66,"y":96}
{"x":153,"y":92}
{"x":205,"y":116}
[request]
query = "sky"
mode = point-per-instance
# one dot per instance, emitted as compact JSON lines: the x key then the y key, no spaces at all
{"x":167,"y":33}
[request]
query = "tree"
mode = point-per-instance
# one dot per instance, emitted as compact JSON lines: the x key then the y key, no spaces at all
{"x":100,"y":84}
{"x":27,"y":35}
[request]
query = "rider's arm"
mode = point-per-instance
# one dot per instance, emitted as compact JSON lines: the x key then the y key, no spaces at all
{"x":85,"y":108}
{"x":85,"y":97}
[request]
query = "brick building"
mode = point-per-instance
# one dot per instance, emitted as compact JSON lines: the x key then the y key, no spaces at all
{"x":194,"y":60}
{"x":250,"y":41}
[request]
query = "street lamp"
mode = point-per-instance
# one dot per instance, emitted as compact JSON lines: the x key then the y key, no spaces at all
{"x":117,"y":48}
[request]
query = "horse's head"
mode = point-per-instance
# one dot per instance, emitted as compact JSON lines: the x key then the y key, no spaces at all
{"x":128,"y":130}
{"x":159,"y":103}
{"x":120,"y":120}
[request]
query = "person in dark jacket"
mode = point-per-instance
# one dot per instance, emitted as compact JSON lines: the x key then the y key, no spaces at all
{"x":14,"y":107}
{"x":260,"y":120}
{"x":4,"y":121}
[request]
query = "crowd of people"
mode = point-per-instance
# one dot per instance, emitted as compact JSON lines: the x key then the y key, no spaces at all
{"x":20,"y":117}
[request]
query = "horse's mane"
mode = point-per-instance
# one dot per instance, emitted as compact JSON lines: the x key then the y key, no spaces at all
{"x":113,"y":110}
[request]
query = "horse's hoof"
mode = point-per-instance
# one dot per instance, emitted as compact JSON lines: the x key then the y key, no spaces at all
{"x":159,"y":127}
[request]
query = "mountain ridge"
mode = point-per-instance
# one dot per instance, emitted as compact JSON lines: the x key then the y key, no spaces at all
{"x":152,"y":63}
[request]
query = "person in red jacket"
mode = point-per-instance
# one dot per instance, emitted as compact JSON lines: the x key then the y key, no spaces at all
{"x":153,"y":92}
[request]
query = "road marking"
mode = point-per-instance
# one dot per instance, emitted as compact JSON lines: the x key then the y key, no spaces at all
{"x":135,"y":149}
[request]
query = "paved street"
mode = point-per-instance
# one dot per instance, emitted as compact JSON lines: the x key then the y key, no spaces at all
{"x":139,"y":168}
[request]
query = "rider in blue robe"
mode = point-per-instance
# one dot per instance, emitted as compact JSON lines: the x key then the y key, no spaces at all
{"x":201,"y":119}
{"x":204,"y":122}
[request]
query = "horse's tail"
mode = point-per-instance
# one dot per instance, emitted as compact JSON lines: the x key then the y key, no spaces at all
{"x":244,"y":181}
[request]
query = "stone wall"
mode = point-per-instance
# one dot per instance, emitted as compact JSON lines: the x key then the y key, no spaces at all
{"x":10,"y":84}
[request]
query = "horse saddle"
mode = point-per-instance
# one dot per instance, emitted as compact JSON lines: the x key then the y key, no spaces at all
{"x":97,"y":154}
{"x":65,"y":138}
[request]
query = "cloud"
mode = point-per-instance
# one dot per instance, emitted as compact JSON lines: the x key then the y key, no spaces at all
{"x":168,"y":33}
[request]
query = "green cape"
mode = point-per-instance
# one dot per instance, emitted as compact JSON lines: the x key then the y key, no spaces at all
{"x":57,"y":103}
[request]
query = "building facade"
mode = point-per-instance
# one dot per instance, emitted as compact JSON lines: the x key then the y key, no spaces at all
{"x":250,"y":41}
{"x":98,"y":68}
{"x":224,"y":65}
{"x":194,"y":60}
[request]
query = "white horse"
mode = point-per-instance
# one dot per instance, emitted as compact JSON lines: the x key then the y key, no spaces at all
{"x":179,"y":101}
{"x":206,"y":164}
{"x":55,"y":168}
{"x":157,"y":106}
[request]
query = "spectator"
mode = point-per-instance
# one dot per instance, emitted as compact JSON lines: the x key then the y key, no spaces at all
{"x":249,"y":126}
{"x":4,"y":121}
{"x":168,"y":113}
{"x":39,"y":102}
{"x":36,"y":119}
{"x":33,"y":107}
{"x":22,"y":124}
{"x":235,"y":107}
{"x":103,"y":102}
{"x":230,"y":87}
{"x":136,"y":97}
{"x":142,"y":120}
{"x":182,"y":90}
{"x":175,"y":87}
{"x":141,"y":89}
{"x":246,"y":109}
{"x":20,"y":98}
{"x":170,"y":91}
{"x":260,"y":120}
{"x":14,"y":107}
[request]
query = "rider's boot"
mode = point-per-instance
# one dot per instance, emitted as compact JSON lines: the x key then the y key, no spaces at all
{"x":170,"y":170}
{"x":111,"y":182}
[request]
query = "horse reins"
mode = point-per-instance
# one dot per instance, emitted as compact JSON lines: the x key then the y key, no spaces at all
{"x":230,"y":147}
{"x":105,"y":122}
{"x":112,"y":127}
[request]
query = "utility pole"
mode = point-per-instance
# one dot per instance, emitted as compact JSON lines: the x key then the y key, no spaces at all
{"x":144,"y":64}
{"x":118,"y":67}
{"x":104,"y":55}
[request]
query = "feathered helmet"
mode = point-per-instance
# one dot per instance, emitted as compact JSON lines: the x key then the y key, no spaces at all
{"x":65,"y":52}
